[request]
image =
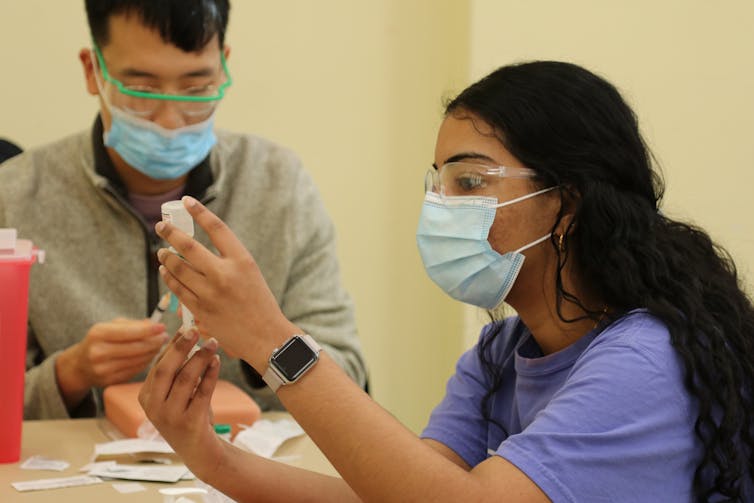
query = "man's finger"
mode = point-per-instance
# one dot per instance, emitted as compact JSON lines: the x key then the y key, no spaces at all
{"x":142,"y":348}
{"x":129,"y":331}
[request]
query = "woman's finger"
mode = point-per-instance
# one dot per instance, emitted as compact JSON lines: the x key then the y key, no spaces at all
{"x":186,"y":246}
{"x":160,"y":379}
{"x":184,"y":294}
{"x":186,"y":379}
{"x":219,"y":233}
{"x":203,"y":394}
{"x":164,"y":349}
{"x":183,"y":271}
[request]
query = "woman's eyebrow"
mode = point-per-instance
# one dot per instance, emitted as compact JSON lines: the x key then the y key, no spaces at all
{"x":465,"y":156}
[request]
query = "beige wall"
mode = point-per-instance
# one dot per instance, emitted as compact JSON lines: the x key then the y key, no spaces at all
{"x":687,"y":68}
{"x":42,"y":87}
{"x":355,"y":88}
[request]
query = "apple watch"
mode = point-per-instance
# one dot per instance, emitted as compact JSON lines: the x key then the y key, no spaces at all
{"x":291,"y":360}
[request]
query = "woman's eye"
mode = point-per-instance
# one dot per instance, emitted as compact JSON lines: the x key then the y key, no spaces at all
{"x":470,"y":182}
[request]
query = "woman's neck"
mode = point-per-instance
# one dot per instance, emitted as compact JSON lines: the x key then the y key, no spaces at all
{"x":552,"y":333}
{"x":539,"y":312}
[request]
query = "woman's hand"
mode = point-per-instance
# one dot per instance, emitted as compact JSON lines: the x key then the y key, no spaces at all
{"x":176,"y":397}
{"x":227,"y":294}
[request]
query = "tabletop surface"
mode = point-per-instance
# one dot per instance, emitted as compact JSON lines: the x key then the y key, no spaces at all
{"x":73,"y":440}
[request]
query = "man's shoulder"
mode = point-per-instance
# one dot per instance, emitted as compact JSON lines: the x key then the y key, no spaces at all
{"x":58,"y":155}
{"x":246,"y":145}
{"x":258,"y":160}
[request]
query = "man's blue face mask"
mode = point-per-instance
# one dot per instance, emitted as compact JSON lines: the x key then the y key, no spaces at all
{"x":157,"y":152}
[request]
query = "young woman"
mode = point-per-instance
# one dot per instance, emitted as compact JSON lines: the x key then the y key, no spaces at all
{"x":627,"y":374}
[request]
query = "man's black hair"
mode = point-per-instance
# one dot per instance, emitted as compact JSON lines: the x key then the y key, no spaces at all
{"x":187,"y":24}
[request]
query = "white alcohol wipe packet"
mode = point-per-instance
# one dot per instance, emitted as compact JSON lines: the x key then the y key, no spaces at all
{"x":265,"y":436}
{"x":42,"y":484}
{"x":43,"y":463}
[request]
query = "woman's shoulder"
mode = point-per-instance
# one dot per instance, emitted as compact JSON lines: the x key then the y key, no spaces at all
{"x":639,"y":337}
{"x":638,"y":329}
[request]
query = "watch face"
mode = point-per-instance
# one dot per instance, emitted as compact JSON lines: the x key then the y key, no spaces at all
{"x":294,"y":358}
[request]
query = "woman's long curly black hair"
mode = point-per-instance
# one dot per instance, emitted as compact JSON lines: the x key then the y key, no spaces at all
{"x":576,"y":131}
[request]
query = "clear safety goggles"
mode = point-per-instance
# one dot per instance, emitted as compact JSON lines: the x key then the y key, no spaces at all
{"x":194,"y":103}
{"x":471,"y":179}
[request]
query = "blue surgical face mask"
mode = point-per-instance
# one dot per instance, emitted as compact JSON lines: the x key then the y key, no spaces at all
{"x":159,"y":153}
{"x":452,"y":239}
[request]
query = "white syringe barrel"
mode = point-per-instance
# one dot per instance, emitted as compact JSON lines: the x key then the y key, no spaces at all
{"x":175,"y":213}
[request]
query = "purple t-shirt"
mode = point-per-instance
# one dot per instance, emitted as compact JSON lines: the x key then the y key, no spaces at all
{"x":605,"y":419}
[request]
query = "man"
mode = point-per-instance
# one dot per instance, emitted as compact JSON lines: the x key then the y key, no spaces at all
{"x":91,"y":201}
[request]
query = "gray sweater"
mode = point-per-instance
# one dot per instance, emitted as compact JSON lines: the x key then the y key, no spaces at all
{"x":99,"y":252}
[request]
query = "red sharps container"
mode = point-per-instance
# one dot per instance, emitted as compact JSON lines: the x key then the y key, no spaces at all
{"x":16,"y":258}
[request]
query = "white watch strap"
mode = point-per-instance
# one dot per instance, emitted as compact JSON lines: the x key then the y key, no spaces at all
{"x":309,"y":340}
{"x":272,"y":379}
{"x":275,"y":380}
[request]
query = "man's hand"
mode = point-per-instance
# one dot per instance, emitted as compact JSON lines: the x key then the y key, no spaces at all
{"x":111,"y":352}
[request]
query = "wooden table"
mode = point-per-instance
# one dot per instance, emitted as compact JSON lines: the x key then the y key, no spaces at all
{"x":73,"y":440}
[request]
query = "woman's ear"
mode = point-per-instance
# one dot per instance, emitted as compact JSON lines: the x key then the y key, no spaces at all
{"x":569,"y":200}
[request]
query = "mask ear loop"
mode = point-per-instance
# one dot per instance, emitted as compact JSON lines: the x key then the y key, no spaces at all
{"x":533,"y":243}
{"x":100,"y":84}
{"x":526,"y":196}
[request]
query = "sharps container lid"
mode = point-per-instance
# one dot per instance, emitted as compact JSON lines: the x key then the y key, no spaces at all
{"x":12,"y":248}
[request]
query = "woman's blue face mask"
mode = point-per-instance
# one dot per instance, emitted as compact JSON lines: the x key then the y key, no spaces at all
{"x":452,"y":239}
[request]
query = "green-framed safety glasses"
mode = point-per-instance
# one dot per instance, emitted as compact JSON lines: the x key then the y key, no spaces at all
{"x":218,"y":95}
{"x":206,"y":94}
